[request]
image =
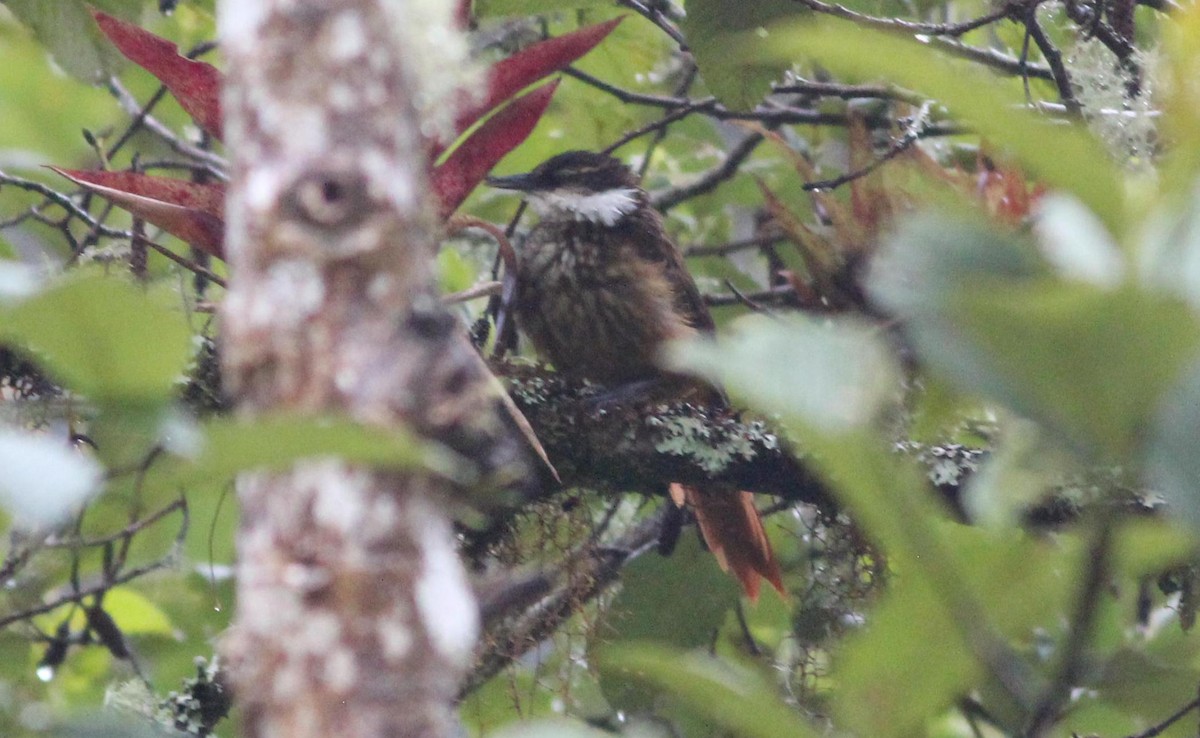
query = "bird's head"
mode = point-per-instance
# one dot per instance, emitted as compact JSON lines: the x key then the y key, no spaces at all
{"x":579,"y":185}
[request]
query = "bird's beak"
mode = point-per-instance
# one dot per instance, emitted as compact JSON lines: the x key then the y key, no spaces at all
{"x":520,"y":182}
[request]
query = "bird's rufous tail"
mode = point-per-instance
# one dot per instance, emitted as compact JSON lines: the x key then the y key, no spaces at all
{"x":734,"y":532}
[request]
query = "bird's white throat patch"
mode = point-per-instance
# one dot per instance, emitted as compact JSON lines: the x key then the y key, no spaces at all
{"x":606,"y":208}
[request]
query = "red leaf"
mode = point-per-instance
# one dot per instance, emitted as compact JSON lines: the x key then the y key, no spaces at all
{"x":193,"y":212}
{"x":509,"y":76}
{"x":462,"y":13}
{"x":454,"y":178}
{"x":195,"y":84}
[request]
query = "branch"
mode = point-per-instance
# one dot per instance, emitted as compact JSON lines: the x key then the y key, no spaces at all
{"x":997,"y":60}
{"x":579,"y":580}
{"x":728,"y":248}
{"x":847,"y":92}
{"x":215,"y":165}
{"x":666,"y":199}
{"x":652,"y":13}
{"x":626,"y":450}
{"x":776,"y":113}
{"x":899,"y":24}
{"x":1062,"y":78}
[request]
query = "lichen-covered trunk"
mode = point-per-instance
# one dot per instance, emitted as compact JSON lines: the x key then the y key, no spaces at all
{"x":354,"y":615}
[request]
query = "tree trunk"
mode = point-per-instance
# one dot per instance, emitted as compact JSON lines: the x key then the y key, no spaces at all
{"x":354,"y":615}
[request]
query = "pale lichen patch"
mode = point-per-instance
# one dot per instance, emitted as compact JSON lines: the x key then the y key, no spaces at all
{"x":301,"y":281}
{"x":347,"y":39}
{"x":444,"y":600}
{"x":289,"y":681}
{"x":320,"y":633}
{"x":346,"y":378}
{"x":342,"y":503}
{"x":341,"y":670}
{"x":342,"y":97}
{"x":306,"y":578}
{"x":383,"y":516}
{"x":395,"y":637}
{"x":238,"y":21}
{"x":691,"y":437}
{"x":260,"y":189}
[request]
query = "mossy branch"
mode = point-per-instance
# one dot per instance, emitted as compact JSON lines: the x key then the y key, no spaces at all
{"x":635,"y":448}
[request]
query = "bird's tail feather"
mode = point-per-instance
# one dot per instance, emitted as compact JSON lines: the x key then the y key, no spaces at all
{"x":734,"y":532}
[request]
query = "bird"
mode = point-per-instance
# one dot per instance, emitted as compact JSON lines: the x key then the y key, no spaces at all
{"x":600,"y":288}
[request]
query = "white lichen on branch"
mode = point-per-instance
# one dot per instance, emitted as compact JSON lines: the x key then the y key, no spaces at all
{"x":683,"y":435}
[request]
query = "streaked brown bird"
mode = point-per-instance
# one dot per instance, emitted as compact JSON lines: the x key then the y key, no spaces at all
{"x":600,"y":288}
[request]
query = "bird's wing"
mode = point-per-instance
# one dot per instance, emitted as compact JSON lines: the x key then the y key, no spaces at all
{"x":652,"y":244}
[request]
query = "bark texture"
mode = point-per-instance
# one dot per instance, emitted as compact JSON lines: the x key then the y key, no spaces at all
{"x":354,"y":614}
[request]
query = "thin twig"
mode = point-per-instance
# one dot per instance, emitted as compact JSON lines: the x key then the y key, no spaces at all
{"x":1097,"y":564}
{"x":182,"y":261}
{"x":773,"y":114}
{"x":64,"y":202}
{"x":128,"y":530}
{"x":998,"y":61}
{"x":1062,"y":78}
{"x":778,"y":294}
{"x":745,"y":299}
{"x":656,"y":16}
{"x":721,"y":249}
{"x":216,"y":164}
{"x":666,"y":199}
{"x":84,"y":592}
{"x":139,"y":118}
{"x":847,"y":92}
{"x":685,"y":84}
{"x":911,"y":135}
{"x":899,"y":24}
{"x":585,"y":576}
{"x":1181,"y":713}
{"x":486,"y":288}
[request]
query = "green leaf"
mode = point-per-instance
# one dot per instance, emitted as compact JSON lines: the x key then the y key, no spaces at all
{"x":455,"y":273}
{"x":1021,"y":468}
{"x":737,"y":699}
{"x":950,"y":602}
{"x":44,"y":479}
{"x":115,"y":342}
{"x":1147,"y":685}
{"x":723,"y":37}
{"x":1168,"y":249}
{"x":653,"y":585}
{"x":230,"y":446}
{"x":1174,"y":465}
{"x":1064,"y":156}
{"x":1091,"y":364}
{"x":1180,"y":100}
{"x":43,"y":112}
{"x":106,"y":724}
{"x":1074,"y":240}
{"x":648,"y":608}
{"x":887,"y":666}
{"x":836,"y":375}
{"x":136,"y":614}
{"x":66,"y":28}
{"x":1151,"y":546}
